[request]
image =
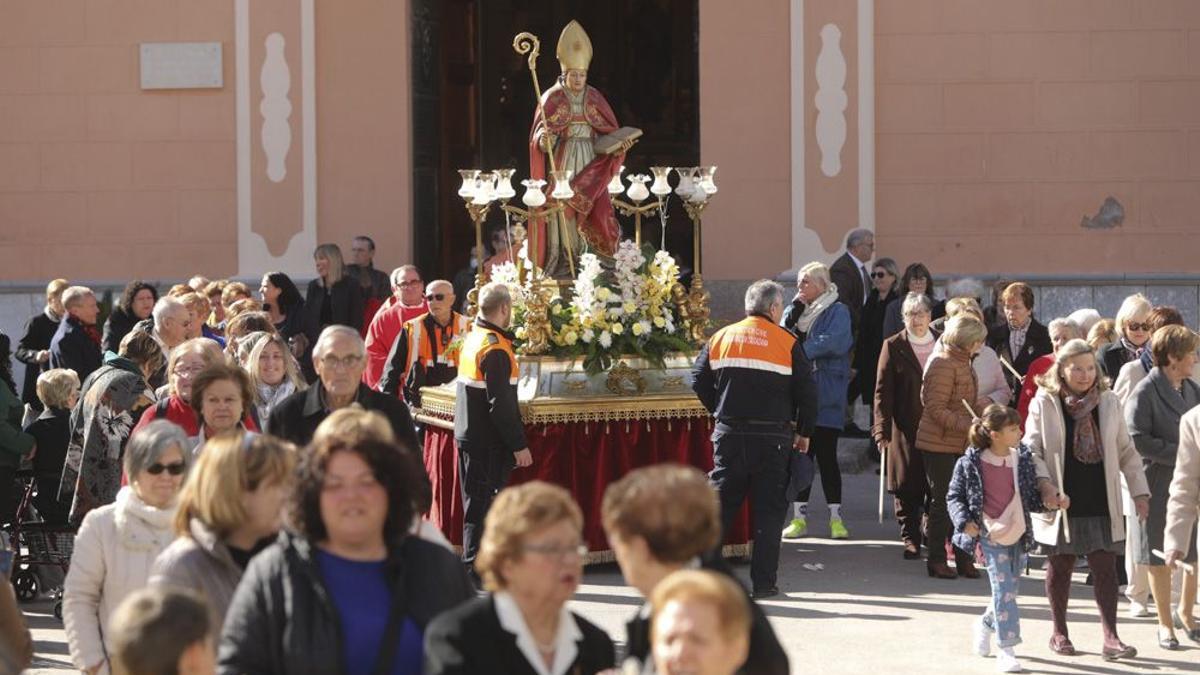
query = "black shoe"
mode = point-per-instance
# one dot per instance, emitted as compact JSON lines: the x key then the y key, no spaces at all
{"x":768,"y":592}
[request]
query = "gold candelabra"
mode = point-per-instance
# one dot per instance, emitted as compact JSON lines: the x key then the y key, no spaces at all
{"x":479,"y":191}
{"x":697,"y":297}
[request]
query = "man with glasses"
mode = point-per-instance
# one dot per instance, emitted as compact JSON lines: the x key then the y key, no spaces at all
{"x":407,"y":303}
{"x":487,"y":421}
{"x":169,"y":324}
{"x":422,"y":355}
{"x":338,"y":357}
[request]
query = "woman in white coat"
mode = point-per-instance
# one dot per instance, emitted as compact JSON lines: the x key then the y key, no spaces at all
{"x":117,"y":543}
{"x":1076,"y":430}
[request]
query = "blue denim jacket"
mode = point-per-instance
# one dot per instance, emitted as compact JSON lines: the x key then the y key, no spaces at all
{"x":964,"y":500}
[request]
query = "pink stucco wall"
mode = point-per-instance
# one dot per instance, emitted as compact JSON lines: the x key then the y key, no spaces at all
{"x":101,"y":180}
{"x":745,"y":130}
{"x":1001,"y":124}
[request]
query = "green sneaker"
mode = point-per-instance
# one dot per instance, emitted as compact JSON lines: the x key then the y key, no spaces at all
{"x":837,"y":529}
{"x":796,"y":529}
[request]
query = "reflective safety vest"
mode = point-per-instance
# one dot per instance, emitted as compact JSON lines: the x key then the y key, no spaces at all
{"x":430,"y":348}
{"x":480,"y":342}
{"x":754,"y":343}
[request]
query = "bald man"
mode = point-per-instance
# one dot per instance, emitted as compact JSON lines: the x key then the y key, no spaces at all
{"x":419,"y":355}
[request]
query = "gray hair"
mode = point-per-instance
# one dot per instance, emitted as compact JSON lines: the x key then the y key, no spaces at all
{"x":857,"y":237}
{"x":247,"y":343}
{"x":1065,"y":323}
{"x":916,"y":302}
{"x":1085,"y":319}
{"x":75,"y":295}
{"x":166,"y":307}
{"x":334,"y":331}
{"x":889,"y":266}
{"x":147,"y":445}
{"x":398,"y":274}
{"x":965,"y":287}
{"x":492,"y":297}
{"x":762,"y":295}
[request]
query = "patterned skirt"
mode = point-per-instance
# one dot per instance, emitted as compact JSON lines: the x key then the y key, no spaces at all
{"x":1088,"y":534}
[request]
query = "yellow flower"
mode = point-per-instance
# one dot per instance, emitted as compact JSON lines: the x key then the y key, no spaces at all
{"x":556,"y":309}
{"x":520,"y":333}
{"x":659,"y":321}
{"x":637,"y":329}
{"x":571,"y":337}
{"x":629,"y":307}
{"x":602,"y":293}
{"x":617,"y":328}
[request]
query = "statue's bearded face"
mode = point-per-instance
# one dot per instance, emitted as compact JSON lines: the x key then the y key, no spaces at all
{"x":575,"y":80}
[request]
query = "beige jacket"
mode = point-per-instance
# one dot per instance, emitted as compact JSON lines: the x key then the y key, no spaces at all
{"x":1184,"y":501}
{"x":114,"y":549}
{"x":1045,"y":434}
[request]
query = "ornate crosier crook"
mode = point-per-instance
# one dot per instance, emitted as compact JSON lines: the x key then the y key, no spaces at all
{"x":528,"y":43}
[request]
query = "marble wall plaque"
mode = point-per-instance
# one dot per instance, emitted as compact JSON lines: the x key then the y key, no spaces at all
{"x":181,"y":65}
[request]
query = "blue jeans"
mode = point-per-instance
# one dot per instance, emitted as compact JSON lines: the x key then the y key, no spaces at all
{"x":1005,"y":564}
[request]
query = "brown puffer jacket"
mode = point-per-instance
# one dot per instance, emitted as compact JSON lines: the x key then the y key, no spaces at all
{"x":949,"y":380}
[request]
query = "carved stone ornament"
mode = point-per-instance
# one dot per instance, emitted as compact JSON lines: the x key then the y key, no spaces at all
{"x":625,"y":381}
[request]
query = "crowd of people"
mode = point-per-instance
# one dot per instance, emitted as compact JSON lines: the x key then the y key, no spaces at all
{"x":998,"y":434}
{"x":249,"y":488}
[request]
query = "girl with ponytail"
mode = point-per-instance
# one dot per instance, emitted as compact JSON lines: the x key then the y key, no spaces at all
{"x":994,"y":489}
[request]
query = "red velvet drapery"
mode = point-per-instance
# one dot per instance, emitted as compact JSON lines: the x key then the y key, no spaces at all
{"x":584,"y":457}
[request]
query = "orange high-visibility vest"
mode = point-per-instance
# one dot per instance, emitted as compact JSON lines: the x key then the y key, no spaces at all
{"x":754,"y":343}
{"x":480,"y":342}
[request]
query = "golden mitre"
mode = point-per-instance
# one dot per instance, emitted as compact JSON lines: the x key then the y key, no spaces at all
{"x":574,"y":48}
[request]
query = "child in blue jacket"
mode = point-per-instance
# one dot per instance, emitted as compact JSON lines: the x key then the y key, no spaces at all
{"x":994,"y":489}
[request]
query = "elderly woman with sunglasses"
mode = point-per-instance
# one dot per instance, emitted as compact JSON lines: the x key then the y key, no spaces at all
{"x":117,"y":543}
{"x":1133,"y":336}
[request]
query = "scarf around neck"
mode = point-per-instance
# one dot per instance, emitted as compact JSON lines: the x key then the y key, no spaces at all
{"x":814,"y":309}
{"x":1087,"y":448}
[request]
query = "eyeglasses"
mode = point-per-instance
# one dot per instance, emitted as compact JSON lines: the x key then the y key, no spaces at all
{"x":174,"y":468}
{"x":437,"y":297}
{"x":1138,"y":326}
{"x":333,"y":362}
{"x":556,"y":551}
{"x":410,"y":282}
{"x":878,"y":275}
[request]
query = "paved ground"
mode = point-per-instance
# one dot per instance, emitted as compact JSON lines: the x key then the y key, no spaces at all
{"x":853,"y":607}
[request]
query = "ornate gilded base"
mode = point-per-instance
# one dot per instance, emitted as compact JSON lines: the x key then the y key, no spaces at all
{"x":552,"y":390}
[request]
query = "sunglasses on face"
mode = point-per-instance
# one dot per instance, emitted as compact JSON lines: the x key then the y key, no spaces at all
{"x":879,"y":275}
{"x":438,"y":297}
{"x":174,"y":468}
{"x":1138,"y":326}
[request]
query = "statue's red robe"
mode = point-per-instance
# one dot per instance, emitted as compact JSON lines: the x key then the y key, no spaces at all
{"x":592,"y":207}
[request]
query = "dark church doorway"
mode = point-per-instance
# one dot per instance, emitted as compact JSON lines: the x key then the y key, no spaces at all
{"x":473,"y":102}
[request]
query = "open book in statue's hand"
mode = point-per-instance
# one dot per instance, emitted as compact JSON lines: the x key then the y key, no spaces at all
{"x":611,"y":143}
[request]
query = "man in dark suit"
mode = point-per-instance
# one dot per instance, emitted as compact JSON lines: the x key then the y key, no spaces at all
{"x":34,"y":348}
{"x":852,"y":275}
{"x":339,"y":358}
{"x":76,"y":342}
{"x":1021,"y":338}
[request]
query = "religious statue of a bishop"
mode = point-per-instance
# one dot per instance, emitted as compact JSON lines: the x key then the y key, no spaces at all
{"x":576,"y":115}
